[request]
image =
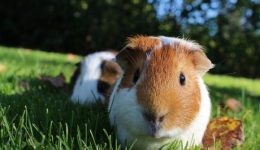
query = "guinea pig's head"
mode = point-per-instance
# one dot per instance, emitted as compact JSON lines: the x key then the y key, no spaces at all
{"x":110,"y":72}
{"x":94,"y":77}
{"x":165,"y":74}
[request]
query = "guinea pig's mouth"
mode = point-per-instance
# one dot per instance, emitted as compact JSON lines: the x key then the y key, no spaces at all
{"x":156,"y":138}
{"x":154,"y":135}
{"x":157,"y":134}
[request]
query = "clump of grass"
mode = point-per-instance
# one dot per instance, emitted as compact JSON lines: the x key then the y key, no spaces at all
{"x":21,"y":133}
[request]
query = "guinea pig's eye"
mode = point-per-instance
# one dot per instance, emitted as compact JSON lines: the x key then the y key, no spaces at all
{"x":182,"y":79}
{"x":136,"y":76}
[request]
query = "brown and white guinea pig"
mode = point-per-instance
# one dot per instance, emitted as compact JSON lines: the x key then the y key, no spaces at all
{"x":161,"y":96}
{"x":94,"y":78}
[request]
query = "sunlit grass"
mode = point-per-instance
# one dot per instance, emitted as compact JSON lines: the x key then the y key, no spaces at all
{"x":40,"y":116}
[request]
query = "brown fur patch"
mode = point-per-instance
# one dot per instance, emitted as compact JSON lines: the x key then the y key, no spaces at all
{"x":110,"y":72}
{"x":159,"y":90}
{"x":132,"y":57}
{"x":143,"y":43}
{"x":130,"y":61}
{"x":201,"y":62}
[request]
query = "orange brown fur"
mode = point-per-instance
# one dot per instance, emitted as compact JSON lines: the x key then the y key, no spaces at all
{"x":159,"y":90}
{"x":110,"y":72}
{"x":143,"y":43}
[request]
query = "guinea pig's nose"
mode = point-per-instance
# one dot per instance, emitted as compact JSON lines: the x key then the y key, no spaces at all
{"x":155,"y":123}
{"x":153,"y":118}
{"x":149,"y":117}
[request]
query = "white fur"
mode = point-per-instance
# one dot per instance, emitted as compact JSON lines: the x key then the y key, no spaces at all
{"x":125,"y":115}
{"x":85,"y":89}
{"x":173,"y":41}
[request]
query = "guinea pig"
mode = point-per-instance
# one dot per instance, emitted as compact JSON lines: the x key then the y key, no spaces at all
{"x":161,"y":96}
{"x":94,"y":78}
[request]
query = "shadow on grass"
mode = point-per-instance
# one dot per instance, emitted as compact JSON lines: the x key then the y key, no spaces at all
{"x":46,"y":104}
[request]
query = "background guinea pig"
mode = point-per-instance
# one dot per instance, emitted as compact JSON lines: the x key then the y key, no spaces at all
{"x":161,"y":96}
{"x":94,"y":78}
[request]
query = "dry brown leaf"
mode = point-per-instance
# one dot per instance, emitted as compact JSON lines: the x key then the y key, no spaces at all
{"x":58,"y":81}
{"x":28,"y":50}
{"x":228,"y":132}
{"x":71,"y":57}
{"x":2,"y":68}
{"x":233,"y":105}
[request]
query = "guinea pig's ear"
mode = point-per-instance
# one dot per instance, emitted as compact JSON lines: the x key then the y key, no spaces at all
{"x":111,"y":68}
{"x":201,"y":62}
{"x":128,"y":57}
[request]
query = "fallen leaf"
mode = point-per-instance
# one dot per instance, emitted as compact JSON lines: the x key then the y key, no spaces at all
{"x":233,"y":105}
{"x":28,"y":50}
{"x":2,"y":68}
{"x":58,"y":81}
{"x":71,"y":57}
{"x":228,"y":132}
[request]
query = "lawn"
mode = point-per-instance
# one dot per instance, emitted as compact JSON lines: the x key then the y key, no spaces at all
{"x":36,"y":115}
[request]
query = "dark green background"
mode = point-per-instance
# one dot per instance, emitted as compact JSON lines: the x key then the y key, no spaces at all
{"x":231,"y":38}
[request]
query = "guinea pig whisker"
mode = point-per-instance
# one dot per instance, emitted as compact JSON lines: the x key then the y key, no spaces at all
{"x":131,"y":59}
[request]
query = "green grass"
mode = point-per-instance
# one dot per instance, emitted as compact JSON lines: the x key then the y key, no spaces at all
{"x":41,"y":117}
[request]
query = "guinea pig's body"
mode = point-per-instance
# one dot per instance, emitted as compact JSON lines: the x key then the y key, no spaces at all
{"x":94,"y":78}
{"x":161,"y":96}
